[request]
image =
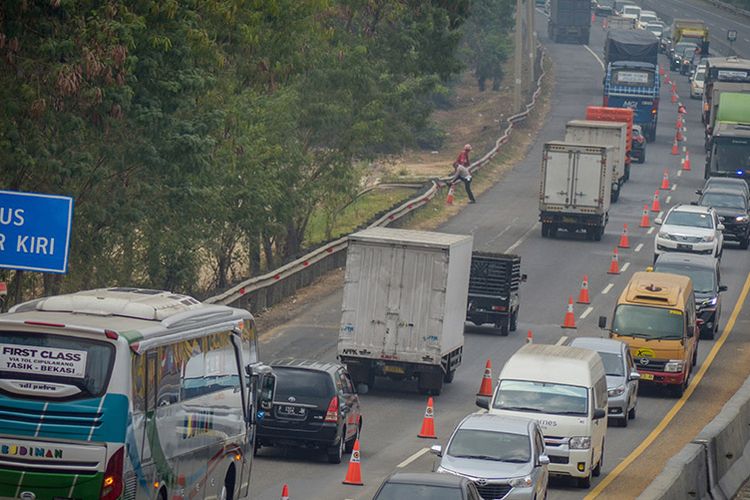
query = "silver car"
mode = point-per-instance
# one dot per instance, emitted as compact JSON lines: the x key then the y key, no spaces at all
{"x":622,"y":376}
{"x":504,"y":456}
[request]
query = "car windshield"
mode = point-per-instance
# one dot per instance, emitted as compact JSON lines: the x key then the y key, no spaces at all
{"x":489,"y":445}
{"x":699,"y":76}
{"x":541,"y":397}
{"x":690,"y":219}
{"x":399,"y":491}
{"x":304,"y":386}
{"x":726,"y":183}
{"x":612,"y":364}
{"x":648,"y":322}
{"x":730,"y":157}
{"x":723,"y":200}
{"x":703,"y":279}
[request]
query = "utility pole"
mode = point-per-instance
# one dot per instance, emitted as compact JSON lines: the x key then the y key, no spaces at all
{"x":530,"y":32}
{"x":518,"y":57}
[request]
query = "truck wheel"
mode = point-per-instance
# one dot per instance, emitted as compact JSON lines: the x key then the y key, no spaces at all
{"x":449,"y":375}
{"x":503,"y":326}
{"x":745,"y":242}
{"x":642,"y":159}
{"x":545,"y":230}
{"x":553,"y":230}
{"x":598,"y":232}
{"x":627,"y":174}
{"x":514,"y":321}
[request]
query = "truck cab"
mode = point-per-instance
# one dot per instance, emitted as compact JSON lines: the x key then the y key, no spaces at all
{"x":729,"y":151}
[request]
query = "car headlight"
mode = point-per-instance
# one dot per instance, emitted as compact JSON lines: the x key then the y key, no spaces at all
{"x":616,"y":391}
{"x":665,"y":236}
{"x":742,"y":218}
{"x":580,"y":443}
{"x":673,"y":366}
{"x":710,"y":302}
{"x":709,"y":237}
{"x":521,"y":482}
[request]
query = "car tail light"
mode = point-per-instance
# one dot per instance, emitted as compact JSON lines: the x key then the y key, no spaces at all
{"x":498,"y":308}
{"x":332,"y":413}
{"x":112,"y":483}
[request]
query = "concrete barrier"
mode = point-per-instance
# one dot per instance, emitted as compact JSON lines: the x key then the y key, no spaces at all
{"x":716,"y":463}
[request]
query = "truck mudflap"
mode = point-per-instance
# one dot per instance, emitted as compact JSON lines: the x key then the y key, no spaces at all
{"x":592,"y":224}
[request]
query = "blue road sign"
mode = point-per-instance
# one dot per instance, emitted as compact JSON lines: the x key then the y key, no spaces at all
{"x":35,"y":231}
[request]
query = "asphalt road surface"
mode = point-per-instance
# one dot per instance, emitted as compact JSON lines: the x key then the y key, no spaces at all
{"x":505,"y":220}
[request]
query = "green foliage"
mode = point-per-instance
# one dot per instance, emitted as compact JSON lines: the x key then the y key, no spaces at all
{"x":487,"y":39}
{"x":194,"y":134}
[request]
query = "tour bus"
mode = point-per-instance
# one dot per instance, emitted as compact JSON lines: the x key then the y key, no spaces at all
{"x":128,"y":393}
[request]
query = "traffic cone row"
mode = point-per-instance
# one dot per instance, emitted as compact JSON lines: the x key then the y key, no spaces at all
{"x":583,"y":295}
{"x":485,"y":388}
{"x":624,"y":241}
{"x":614,"y":265}
{"x":570,"y":317}
{"x":644,"y":217}
{"x":665,"y":180}
{"x":655,"y":205}
{"x":686,"y":162}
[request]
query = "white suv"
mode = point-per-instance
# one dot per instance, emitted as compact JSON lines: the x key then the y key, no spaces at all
{"x":689,"y":228}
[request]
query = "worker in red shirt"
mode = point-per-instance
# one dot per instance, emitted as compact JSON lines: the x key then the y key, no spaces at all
{"x":462,"y":173}
{"x":463,"y":156}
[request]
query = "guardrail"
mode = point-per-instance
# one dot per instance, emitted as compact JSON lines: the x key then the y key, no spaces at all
{"x":731,"y":8}
{"x":713,"y":465}
{"x":268,"y":289}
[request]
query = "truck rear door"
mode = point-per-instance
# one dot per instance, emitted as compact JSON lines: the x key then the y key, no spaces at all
{"x":558,"y":176}
{"x":587,"y":180}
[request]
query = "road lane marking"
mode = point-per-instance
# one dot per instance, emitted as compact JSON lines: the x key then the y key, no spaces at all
{"x":648,"y":441}
{"x":522,"y":238}
{"x":562,"y":340}
{"x":669,"y":198}
{"x":607,"y":288}
{"x":650,"y":230}
{"x":674,"y":186}
{"x":679,"y":173}
{"x":585,"y":313}
{"x":595,"y":56}
{"x":638,"y":247}
{"x":684,"y":148}
{"x":412,"y":458}
{"x":501,"y":232}
{"x":660,"y":214}
{"x":625,"y":267}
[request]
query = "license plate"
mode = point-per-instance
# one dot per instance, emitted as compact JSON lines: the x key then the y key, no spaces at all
{"x":569,"y":219}
{"x":647,"y":376}
{"x":291,"y":411}
{"x":683,"y":246}
{"x":393,"y":369}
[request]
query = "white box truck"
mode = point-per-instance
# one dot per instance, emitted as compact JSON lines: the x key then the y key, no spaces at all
{"x":404,"y":307}
{"x":576,"y":183}
{"x":601,"y":133}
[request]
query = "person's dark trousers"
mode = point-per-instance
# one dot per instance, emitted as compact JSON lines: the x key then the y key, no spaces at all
{"x":467,"y":185}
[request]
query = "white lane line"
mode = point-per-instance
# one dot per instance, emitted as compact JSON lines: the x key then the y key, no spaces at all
{"x":684,"y":148}
{"x":585,"y":313}
{"x":562,"y":340}
{"x":747,"y":40}
{"x":660,"y":214}
{"x":522,"y":238}
{"x":669,"y":198}
{"x":625,"y":267}
{"x":607,"y":288}
{"x":674,"y":186}
{"x":413,"y":458}
{"x":501,"y":232}
{"x":595,"y":56}
{"x":638,"y":247}
{"x":679,"y":172}
{"x":650,"y":230}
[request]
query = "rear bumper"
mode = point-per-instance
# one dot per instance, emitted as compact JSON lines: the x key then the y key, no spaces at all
{"x":662,"y":378}
{"x":271,"y":434}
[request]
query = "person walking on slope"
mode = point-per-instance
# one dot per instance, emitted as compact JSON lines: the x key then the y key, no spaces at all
{"x":461,"y":172}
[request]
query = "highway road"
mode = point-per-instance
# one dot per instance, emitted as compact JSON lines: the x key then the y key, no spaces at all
{"x":505,"y":220}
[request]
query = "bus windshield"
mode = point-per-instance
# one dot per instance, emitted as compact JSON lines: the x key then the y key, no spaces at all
{"x":730,"y":157}
{"x":648,"y":322}
{"x":54,"y":365}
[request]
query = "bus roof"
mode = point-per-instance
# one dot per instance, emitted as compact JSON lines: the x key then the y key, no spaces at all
{"x":138,"y":314}
{"x":657,"y":289}
{"x":554,"y":363}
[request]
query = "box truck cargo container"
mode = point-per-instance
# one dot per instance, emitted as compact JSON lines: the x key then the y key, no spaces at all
{"x":607,"y":114}
{"x":575,"y":191}
{"x":569,"y":21}
{"x":493,"y":290}
{"x":603,"y":133}
{"x":404,"y":307}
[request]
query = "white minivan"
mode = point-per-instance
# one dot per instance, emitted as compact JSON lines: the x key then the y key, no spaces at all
{"x":565,"y":389}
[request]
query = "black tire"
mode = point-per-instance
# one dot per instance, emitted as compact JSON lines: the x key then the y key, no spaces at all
{"x":584,"y":482}
{"x":695,"y":356}
{"x":504,"y":328}
{"x":642,"y":158}
{"x":597,"y":471}
{"x":631,"y":413}
{"x":336,"y":452}
{"x":745,"y":242}
{"x":449,"y":376}
{"x":598,"y":233}
{"x":624,"y":421}
{"x":514,"y":321}
{"x":553,"y":230}
{"x":545,"y":230}
{"x":614,"y":196}
{"x":627,"y":174}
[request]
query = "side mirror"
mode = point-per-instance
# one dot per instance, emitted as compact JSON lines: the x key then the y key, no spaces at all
{"x":436,"y":450}
{"x":657,"y":221}
{"x":543,"y":460}
{"x":720,"y":227}
{"x":599,"y":414}
{"x":524,"y":278}
{"x":483,"y":402}
{"x":722,"y":288}
{"x":634,"y":376}
{"x":602,"y":322}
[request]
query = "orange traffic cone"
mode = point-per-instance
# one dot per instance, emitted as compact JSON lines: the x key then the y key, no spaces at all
{"x":675,"y":151}
{"x":485,"y":389}
{"x":678,"y":135}
{"x":354,"y":474}
{"x":285,"y":492}
{"x":686,"y":163}
{"x":679,"y":123}
{"x":583,"y":295}
{"x":428,"y":422}
{"x":644,"y":217}
{"x":655,"y":205}
{"x":681,"y":108}
{"x":614,"y":265}
{"x":449,"y":198}
{"x":667,"y":80}
{"x":674,"y":97}
{"x":624,"y":241}
{"x":665,"y":180}
{"x":530,"y":336}
{"x":570,"y":317}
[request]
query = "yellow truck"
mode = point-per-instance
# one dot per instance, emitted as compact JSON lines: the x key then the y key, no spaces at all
{"x":691,"y":30}
{"x":655,"y":315}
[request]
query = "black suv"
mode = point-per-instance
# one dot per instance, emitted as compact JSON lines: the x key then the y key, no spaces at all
{"x":703,"y":270}
{"x":315,"y":406}
{"x":731,"y":206}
